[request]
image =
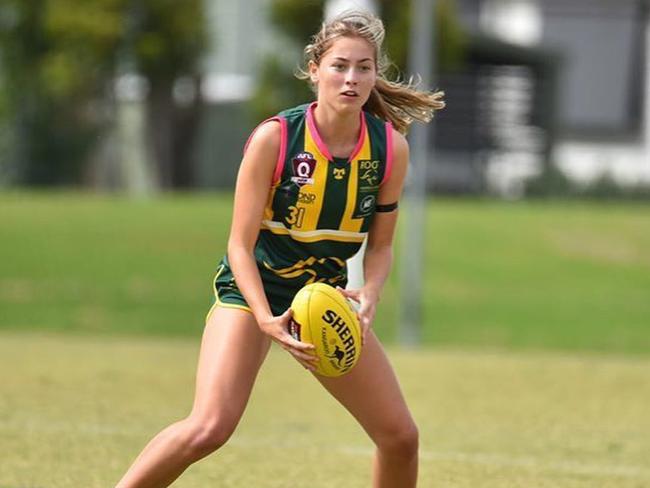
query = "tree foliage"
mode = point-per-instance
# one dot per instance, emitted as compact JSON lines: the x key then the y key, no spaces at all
{"x":58,"y":63}
{"x":300,"y":19}
{"x":450,"y":39}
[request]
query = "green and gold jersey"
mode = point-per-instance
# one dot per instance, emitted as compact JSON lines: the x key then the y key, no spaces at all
{"x":319,"y":207}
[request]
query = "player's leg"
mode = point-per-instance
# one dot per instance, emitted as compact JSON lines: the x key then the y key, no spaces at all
{"x":371,"y":393}
{"x":232,"y":350}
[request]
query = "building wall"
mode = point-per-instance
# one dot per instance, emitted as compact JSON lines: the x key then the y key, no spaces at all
{"x":601,"y":83}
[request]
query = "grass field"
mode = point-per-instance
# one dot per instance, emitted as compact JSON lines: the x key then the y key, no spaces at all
{"x":75,"y":411}
{"x":534,"y":276}
{"x":535,"y":368}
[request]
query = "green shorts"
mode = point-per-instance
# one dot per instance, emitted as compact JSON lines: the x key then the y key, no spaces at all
{"x":227,"y":294}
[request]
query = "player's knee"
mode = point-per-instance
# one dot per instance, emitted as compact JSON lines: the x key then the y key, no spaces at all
{"x":400,"y":441}
{"x":206,"y":436}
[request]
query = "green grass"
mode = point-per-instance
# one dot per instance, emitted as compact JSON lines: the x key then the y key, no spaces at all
{"x":567,"y":276}
{"x":76,"y":410}
{"x":561,"y":276}
{"x":536,"y":372}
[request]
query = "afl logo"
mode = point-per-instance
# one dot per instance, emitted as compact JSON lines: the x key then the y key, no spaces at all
{"x":304,"y":165}
{"x":367,"y":204}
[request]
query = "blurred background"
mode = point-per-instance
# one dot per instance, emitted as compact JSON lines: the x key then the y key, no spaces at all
{"x":545,"y":97}
{"x":522,"y":263}
{"x":122,"y":124}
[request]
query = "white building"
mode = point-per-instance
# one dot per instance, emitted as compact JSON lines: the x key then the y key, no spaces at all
{"x":603,"y":82}
{"x":597,"y":123}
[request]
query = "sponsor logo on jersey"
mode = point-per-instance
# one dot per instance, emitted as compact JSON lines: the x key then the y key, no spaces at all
{"x":306,"y":198}
{"x":304,"y":165}
{"x":369,"y":171}
{"x":339,"y":173}
{"x":367,"y":205}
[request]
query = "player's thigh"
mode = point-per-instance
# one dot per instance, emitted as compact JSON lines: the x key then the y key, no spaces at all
{"x":371,"y":393}
{"x":233,"y":349}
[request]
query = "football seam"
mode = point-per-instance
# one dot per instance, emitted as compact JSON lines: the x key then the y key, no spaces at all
{"x":351,"y":318}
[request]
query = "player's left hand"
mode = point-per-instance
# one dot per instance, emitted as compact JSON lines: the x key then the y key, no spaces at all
{"x":367,"y":301}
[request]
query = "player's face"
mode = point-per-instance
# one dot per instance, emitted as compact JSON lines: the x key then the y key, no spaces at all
{"x":346,"y":73}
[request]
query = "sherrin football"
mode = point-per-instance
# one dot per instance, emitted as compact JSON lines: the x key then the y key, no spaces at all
{"x":322,"y":316}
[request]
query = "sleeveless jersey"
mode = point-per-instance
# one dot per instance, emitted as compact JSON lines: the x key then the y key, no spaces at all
{"x":319,"y":207}
{"x":318,"y":211}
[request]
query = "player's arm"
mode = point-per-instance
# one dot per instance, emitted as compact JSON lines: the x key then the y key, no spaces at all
{"x":379,"y":252}
{"x":378,"y":257}
{"x":251,"y":193}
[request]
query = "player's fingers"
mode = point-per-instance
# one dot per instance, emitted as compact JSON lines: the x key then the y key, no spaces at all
{"x":307,"y":360}
{"x":293,"y":343}
{"x":307,"y":365}
{"x":351,"y":294}
{"x":366,"y":307}
{"x":366,"y":321}
{"x":297,"y":353}
{"x":366,"y":314}
{"x":364,"y":332}
{"x":363,"y":313}
{"x":285,"y":318}
{"x":303,"y":355}
{"x":363,"y":318}
{"x":343,"y":292}
{"x":299,"y":350}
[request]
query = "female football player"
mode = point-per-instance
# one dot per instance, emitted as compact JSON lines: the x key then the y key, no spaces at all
{"x":314,"y":182}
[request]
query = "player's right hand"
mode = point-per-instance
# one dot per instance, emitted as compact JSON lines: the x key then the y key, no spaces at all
{"x":278,"y":329}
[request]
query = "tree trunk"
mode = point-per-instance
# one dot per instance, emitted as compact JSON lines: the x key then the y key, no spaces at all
{"x":171,"y":134}
{"x":160,"y":117}
{"x":186,"y":126}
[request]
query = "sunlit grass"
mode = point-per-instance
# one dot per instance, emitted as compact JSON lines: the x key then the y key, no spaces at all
{"x":75,"y":411}
{"x":571,"y":276}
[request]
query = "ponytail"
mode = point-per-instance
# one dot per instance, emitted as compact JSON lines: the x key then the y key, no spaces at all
{"x":401,"y":103}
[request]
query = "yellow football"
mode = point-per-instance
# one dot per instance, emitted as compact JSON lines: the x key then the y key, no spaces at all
{"x":322,"y":316}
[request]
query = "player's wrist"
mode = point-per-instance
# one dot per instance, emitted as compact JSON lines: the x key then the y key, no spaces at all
{"x":264,"y":319}
{"x":371,"y":292}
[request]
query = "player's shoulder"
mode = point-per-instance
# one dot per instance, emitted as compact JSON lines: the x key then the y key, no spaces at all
{"x":269,"y":132}
{"x":266,"y":137}
{"x":400,"y":146}
{"x":295,"y":112}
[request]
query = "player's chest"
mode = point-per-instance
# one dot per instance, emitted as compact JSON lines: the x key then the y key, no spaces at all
{"x":310,"y":178}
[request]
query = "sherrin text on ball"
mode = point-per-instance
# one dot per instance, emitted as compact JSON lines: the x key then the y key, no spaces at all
{"x":323,"y":317}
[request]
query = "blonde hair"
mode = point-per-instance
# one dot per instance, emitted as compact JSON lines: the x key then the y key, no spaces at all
{"x":396,"y":101}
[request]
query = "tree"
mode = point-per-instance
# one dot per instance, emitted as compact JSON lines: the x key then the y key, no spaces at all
{"x":167,"y":43}
{"x":55,"y":60}
{"x":300,"y":19}
{"x":58,"y":63}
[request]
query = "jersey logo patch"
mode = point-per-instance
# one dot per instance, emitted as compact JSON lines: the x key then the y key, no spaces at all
{"x":339,"y":173}
{"x":304,"y":165}
{"x":369,"y":171}
{"x":306,"y":198}
{"x":366,"y":206}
